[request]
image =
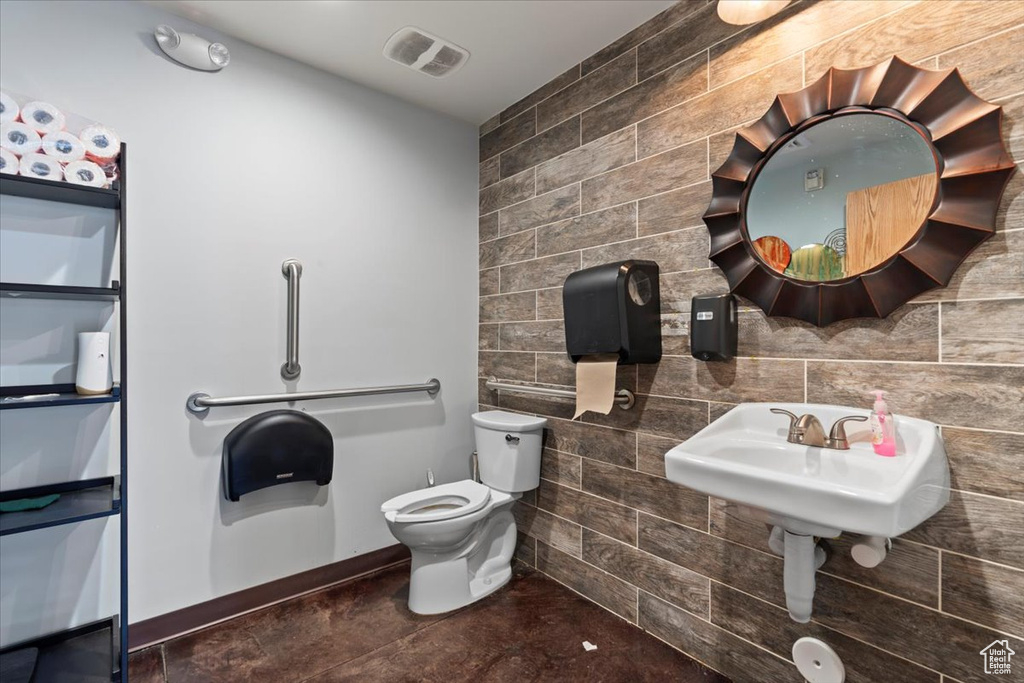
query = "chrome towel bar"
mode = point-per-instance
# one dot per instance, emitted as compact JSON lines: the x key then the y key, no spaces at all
{"x":624,"y":398}
{"x":200,"y":403}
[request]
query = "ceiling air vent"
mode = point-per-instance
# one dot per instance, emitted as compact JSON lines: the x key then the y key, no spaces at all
{"x":415,"y":48}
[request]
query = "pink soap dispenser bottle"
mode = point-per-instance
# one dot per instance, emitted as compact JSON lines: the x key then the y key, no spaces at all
{"x":883,"y":429}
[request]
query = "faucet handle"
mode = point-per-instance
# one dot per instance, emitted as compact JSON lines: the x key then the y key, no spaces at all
{"x":792,"y":418}
{"x":837,"y":437}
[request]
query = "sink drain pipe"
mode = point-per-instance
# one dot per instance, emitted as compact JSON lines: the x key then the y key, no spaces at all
{"x":802,"y":555}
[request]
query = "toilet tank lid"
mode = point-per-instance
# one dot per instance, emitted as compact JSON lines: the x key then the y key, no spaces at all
{"x":508,"y":422}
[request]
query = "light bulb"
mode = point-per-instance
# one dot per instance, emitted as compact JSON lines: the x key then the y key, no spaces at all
{"x":743,"y":12}
{"x":167,"y":37}
{"x":219,"y":55}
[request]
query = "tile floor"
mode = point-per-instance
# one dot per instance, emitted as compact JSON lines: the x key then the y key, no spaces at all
{"x":531,"y":630}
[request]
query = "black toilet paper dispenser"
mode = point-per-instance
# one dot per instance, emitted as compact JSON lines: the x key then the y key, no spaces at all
{"x":276,"y":447}
{"x":614,"y":308}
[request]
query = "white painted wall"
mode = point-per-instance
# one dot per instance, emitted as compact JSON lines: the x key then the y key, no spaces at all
{"x":229,"y":174}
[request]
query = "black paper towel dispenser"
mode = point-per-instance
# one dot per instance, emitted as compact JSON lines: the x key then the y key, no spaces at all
{"x":614,"y":308}
{"x":276,"y":447}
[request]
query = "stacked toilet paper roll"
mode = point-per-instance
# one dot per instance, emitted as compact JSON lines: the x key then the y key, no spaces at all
{"x":18,"y":138}
{"x":43,"y":117}
{"x":41,"y":166}
{"x":63,"y":146}
{"x":595,"y":383}
{"x":101,"y":144}
{"x":9,"y":109}
{"x":8,"y":162}
{"x":38,"y":130}
{"x":85,"y":173}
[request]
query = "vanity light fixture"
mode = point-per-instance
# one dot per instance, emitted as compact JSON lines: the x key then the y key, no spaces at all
{"x":191,"y":50}
{"x":743,"y":12}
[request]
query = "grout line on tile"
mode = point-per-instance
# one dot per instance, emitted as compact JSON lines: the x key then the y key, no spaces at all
{"x":805,"y":384}
{"x":939,"y":581}
{"x":707,"y":140}
{"x":826,"y":626}
{"x":708,"y":529}
{"x":723,"y":629}
{"x":609,"y":206}
{"x":692,"y":656}
{"x":707,"y":71}
{"x":960,"y":301}
{"x":1003,"y":98}
{"x":972,"y":557}
{"x":989,"y":36}
{"x":709,"y":90}
{"x":582,"y":595}
{"x":947,"y":615}
{"x":745,"y":75}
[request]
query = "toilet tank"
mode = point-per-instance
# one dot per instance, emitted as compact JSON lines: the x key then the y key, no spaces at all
{"x":508,"y":447}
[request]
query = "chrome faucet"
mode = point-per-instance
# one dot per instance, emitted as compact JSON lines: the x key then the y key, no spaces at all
{"x":807,"y":430}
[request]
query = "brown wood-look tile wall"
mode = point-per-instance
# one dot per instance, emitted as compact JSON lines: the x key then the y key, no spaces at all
{"x":611,"y":160}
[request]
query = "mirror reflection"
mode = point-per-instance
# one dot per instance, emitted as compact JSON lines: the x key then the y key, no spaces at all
{"x":842,"y":197}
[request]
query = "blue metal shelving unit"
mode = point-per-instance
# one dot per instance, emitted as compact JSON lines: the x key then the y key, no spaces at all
{"x":51,"y":395}
{"x":97,"y":651}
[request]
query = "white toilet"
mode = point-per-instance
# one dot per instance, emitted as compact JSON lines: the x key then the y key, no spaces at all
{"x":462,"y":535}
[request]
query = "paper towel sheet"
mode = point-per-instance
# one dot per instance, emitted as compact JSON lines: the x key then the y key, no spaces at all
{"x":595,"y":383}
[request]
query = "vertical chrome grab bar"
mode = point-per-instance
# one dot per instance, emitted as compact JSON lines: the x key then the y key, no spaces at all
{"x":292,"y":270}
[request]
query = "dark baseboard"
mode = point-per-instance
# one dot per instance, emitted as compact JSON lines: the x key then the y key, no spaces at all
{"x":166,"y":626}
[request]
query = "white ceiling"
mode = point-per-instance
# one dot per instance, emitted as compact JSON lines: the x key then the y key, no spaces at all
{"x":515,"y":46}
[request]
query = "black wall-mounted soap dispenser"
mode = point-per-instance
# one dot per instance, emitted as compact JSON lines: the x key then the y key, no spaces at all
{"x":614,"y":308}
{"x":713,"y":327}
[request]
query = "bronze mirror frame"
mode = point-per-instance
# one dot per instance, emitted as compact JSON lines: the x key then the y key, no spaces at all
{"x":973,"y":165}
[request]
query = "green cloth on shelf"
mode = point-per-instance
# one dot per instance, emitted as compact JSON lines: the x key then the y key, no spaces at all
{"x":23,"y":504}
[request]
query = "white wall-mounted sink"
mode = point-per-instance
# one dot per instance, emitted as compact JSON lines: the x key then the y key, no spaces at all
{"x":744,"y":457}
{"x":809,"y":492}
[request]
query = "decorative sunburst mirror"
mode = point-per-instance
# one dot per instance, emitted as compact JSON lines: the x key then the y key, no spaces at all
{"x":854,"y":195}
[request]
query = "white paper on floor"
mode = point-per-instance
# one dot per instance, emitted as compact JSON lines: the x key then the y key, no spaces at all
{"x":588,"y":646}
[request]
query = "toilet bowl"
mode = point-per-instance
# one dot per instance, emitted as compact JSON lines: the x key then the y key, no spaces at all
{"x":462,"y":535}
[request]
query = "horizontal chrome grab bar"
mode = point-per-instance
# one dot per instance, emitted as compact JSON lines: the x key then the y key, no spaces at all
{"x":624,"y":398}
{"x":200,"y":403}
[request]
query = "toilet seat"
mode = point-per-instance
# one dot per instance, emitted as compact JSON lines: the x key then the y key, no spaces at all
{"x":437,"y":503}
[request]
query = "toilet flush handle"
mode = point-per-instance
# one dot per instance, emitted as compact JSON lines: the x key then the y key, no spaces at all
{"x":512,"y":440}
